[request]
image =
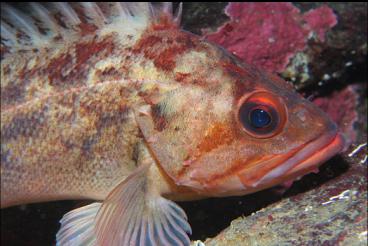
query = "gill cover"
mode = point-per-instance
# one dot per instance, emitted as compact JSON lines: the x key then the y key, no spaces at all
{"x":237,"y":136}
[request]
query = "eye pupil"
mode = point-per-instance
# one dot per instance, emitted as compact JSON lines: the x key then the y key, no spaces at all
{"x":259,"y":118}
{"x":262,"y":115}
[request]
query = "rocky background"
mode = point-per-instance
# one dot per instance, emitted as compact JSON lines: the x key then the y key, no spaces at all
{"x":322,"y":50}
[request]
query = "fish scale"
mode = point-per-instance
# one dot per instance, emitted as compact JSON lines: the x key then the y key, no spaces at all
{"x":82,"y":107}
{"x":114,"y":102}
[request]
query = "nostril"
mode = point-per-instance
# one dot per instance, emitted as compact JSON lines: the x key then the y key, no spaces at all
{"x":301,"y":114}
{"x":332,"y":126}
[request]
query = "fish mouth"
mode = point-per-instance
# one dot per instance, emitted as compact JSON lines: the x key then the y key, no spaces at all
{"x":303,"y":160}
{"x":306,"y":159}
{"x":273,"y":170}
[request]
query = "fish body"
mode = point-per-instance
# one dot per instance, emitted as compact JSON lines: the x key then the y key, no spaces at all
{"x":114,"y":102}
{"x":68,"y":126}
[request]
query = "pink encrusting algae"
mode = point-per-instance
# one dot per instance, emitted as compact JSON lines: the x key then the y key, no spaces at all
{"x":341,"y":107}
{"x":268,"y":35}
{"x":320,"y":20}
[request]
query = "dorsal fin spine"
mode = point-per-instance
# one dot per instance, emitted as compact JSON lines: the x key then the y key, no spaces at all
{"x":23,"y":22}
{"x":178,"y":14}
{"x":95,"y":12}
{"x":8,"y":33}
{"x":68,"y":12}
{"x":44,"y":22}
{"x":44,"y":16}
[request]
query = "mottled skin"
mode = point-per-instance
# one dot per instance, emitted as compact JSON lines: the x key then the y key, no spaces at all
{"x":67,"y":121}
{"x":73,"y":116}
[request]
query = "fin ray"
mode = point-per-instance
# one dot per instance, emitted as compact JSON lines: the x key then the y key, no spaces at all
{"x":94,"y":12}
{"x":70,"y":15}
{"x":46,"y":24}
{"x":21,"y":20}
{"x":8,"y":34}
{"x":44,"y":16}
{"x":160,"y":224}
{"x":133,"y":213}
{"x":178,"y":14}
{"x":77,"y":226}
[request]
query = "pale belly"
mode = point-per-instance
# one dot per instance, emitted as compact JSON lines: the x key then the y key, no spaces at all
{"x":52,"y":149}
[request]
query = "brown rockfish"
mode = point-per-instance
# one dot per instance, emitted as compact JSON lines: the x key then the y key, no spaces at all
{"x":114,"y":102}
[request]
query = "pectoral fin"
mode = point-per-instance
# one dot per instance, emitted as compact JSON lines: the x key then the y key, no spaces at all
{"x":77,"y":226}
{"x":133,"y":214}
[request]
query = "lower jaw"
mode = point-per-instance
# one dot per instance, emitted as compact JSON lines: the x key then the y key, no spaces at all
{"x":309,"y":160}
{"x":307,"y":165}
{"x":312,"y":163}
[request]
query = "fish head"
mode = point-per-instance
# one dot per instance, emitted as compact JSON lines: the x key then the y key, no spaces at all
{"x":240,"y":131}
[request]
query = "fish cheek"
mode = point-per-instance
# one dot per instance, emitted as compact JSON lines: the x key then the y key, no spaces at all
{"x":164,"y":141}
{"x":184,"y":138}
{"x":207,"y":156}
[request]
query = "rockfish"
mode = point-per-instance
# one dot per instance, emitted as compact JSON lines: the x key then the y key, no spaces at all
{"x":114,"y":102}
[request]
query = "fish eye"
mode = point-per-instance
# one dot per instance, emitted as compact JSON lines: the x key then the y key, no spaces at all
{"x":262,"y":115}
{"x":259,"y":118}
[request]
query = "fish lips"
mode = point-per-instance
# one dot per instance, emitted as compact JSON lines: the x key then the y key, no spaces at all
{"x":301,"y":161}
{"x":306,"y":160}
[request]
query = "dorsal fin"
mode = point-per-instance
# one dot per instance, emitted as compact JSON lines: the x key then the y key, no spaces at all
{"x":70,"y":17}
{"x":21,"y":23}
{"x":44,"y":16}
{"x":38,"y":25}
{"x":95,"y":13}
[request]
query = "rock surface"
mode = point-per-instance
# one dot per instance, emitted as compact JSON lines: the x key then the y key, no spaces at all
{"x":334,"y":213}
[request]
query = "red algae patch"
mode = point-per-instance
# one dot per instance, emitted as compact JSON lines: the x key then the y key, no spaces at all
{"x":320,"y":20}
{"x":341,"y":107}
{"x":268,"y":35}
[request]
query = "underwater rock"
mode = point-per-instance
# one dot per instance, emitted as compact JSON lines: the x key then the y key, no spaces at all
{"x":308,"y":63}
{"x":268,"y":35}
{"x":334,"y":213}
{"x":320,"y":21}
{"x":336,"y":61}
{"x":341,"y":107}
